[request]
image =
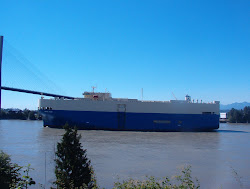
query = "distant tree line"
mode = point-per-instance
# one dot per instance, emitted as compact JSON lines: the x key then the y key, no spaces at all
{"x":239,"y":116}
{"x":20,"y":114}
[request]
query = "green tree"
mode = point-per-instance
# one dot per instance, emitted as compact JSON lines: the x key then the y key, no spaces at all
{"x":235,"y":116}
{"x":9,"y":172}
{"x":73,"y":168}
{"x":3,"y":114}
{"x":246,"y":114}
{"x":32,"y":115}
{"x":239,"y":116}
{"x":26,"y":113}
{"x":10,"y":176}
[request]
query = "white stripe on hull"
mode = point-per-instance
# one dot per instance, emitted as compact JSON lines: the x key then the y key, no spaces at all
{"x":130,"y":106}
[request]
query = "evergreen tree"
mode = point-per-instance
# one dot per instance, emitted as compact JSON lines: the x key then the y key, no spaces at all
{"x":239,"y":116}
{"x":73,"y":168}
{"x":246,"y":112}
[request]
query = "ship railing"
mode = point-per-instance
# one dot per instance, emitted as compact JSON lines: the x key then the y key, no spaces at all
{"x":154,"y":101}
{"x":125,"y":99}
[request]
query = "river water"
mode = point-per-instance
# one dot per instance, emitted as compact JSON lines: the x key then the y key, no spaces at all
{"x":219,"y":159}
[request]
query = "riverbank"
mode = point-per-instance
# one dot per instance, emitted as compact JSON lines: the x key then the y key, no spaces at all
{"x":17,"y":114}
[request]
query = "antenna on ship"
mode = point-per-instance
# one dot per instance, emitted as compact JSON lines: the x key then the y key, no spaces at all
{"x":142,"y":94}
{"x":93,"y":89}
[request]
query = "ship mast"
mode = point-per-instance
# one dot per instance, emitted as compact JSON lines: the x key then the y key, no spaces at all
{"x":93,"y":89}
{"x":142,"y":94}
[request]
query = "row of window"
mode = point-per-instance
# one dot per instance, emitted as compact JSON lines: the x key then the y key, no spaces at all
{"x":44,"y":108}
{"x":208,"y":112}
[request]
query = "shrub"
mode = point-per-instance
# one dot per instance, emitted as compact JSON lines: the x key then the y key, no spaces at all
{"x":183,"y":181}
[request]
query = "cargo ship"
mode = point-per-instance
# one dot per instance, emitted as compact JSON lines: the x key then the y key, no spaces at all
{"x":99,"y":111}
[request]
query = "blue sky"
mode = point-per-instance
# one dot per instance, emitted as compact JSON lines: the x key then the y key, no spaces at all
{"x":197,"y":47}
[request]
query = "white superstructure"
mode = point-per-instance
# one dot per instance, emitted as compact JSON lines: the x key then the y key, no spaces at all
{"x":104,"y":102}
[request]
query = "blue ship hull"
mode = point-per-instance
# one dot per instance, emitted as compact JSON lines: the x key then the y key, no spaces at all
{"x":90,"y":120}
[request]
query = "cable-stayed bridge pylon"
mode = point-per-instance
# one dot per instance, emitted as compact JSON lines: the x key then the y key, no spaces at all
{"x":22,"y":90}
